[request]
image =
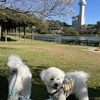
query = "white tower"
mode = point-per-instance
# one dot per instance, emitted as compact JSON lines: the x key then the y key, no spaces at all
{"x":82,"y":4}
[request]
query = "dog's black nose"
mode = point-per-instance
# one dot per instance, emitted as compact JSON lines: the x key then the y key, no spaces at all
{"x":56,"y":84}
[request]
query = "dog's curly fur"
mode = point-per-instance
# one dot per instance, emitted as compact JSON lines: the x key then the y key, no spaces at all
{"x":54,"y":77}
{"x":23,"y":82}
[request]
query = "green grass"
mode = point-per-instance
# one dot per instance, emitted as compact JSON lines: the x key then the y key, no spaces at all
{"x":40,"y":55}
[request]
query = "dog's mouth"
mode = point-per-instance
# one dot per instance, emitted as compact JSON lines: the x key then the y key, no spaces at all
{"x":55,"y":88}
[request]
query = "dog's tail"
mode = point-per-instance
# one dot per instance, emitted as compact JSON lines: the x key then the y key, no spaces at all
{"x":83,"y":75}
{"x":78,"y":74}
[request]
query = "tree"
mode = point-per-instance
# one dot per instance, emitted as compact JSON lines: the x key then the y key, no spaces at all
{"x":66,"y":31}
{"x":75,"y":32}
{"x":41,"y":8}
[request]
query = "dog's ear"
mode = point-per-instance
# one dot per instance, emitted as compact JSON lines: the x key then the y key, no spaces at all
{"x":43,"y":75}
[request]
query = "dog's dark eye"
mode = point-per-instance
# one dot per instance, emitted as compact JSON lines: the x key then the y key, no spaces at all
{"x":15,"y":70}
{"x":57,"y":78}
{"x":51,"y":79}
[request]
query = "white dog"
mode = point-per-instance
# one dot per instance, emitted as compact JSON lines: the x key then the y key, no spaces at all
{"x":20,"y":78}
{"x":60,"y":85}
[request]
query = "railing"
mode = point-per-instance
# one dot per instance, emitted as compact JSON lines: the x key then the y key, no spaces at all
{"x":80,"y":42}
{"x":70,"y":41}
{"x":45,"y":39}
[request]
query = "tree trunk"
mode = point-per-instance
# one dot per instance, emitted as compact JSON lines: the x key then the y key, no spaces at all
{"x":5,"y":35}
{"x":24,"y":33}
{"x":32,"y":36}
{"x":19,"y":30}
{"x":0,"y":32}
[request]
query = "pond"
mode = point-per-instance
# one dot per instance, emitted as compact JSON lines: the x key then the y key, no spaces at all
{"x":59,"y":38}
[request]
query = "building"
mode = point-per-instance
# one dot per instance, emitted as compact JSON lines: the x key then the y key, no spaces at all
{"x":79,"y":19}
{"x":55,"y":29}
{"x":75,"y":21}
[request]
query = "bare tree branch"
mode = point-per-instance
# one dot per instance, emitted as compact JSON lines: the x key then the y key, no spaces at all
{"x":42,"y":8}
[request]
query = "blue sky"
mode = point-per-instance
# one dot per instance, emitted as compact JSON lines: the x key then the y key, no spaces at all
{"x":92,"y":11}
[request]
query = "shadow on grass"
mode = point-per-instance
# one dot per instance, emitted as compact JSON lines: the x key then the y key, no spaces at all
{"x":3,"y":88}
{"x":94,"y":93}
{"x":8,"y":39}
{"x":36,"y":73}
{"x":39,"y":91}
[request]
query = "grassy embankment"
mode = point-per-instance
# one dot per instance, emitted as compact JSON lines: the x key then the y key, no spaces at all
{"x":40,"y":55}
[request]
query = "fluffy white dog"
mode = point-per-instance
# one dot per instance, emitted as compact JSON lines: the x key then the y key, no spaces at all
{"x":60,"y":85}
{"x":19,"y":79}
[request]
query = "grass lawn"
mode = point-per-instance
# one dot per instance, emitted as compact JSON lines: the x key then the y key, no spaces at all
{"x":40,"y":55}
